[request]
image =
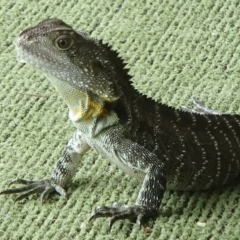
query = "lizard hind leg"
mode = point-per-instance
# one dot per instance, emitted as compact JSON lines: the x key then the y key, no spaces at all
{"x":200,"y":108}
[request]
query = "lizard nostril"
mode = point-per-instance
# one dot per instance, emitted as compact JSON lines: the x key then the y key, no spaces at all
{"x":97,"y":67}
{"x":24,"y":38}
{"x":28,"y":38}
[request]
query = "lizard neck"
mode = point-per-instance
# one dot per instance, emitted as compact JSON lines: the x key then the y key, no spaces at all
{"x":90,"y":115}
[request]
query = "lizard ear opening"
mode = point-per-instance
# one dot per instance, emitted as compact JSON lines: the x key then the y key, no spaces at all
{"x":97,"y":67}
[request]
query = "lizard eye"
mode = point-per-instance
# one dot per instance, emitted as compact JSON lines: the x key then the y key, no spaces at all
{"x":63,"y":42}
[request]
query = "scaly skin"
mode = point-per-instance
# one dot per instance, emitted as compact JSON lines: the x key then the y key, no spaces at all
{"x":161,"y":146}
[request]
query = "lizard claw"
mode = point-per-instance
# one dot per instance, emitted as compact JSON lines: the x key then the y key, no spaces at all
{"x":120,"y":211}
{"x":44,"y":187}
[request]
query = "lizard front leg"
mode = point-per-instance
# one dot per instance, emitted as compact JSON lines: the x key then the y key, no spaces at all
{"x":140,"y":162}
{"x":62,"y":174}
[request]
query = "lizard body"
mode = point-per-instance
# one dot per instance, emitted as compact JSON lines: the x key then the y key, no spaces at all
{"x":161,"y":146}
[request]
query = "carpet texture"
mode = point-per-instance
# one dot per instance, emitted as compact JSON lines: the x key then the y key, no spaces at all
{"x":174,"y":50}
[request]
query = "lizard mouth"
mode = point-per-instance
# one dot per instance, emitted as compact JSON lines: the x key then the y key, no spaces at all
{"x":29,"y":50}
{"x":23,"y":51}
{"x":19,"y":56}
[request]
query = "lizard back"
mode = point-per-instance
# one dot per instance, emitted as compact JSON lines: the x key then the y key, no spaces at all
{"x":200,"y":151}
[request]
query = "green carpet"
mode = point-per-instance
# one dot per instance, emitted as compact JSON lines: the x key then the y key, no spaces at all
{"x":175,"y":50}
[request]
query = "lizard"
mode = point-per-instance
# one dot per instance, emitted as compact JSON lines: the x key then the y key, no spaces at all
{"x":163,"y":147}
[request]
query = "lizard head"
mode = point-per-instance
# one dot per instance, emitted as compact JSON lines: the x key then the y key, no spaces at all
{"x":71,"y":58}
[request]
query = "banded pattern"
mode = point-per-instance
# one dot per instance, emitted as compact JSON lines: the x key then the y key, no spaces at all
{"x":200,"y":151}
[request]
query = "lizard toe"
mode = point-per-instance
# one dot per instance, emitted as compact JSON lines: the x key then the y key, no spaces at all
{"x":30,"y":187}
{"x":120,"y":211}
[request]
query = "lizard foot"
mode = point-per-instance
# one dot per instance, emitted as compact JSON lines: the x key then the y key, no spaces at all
{"x":120,"y":211}
{"x":44,"y":187}
{"x":200,"y":108}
